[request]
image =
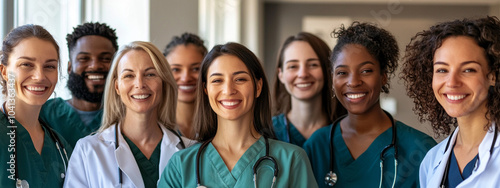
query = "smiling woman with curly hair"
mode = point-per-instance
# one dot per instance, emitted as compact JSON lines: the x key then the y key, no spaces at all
{"x":450,"y":71}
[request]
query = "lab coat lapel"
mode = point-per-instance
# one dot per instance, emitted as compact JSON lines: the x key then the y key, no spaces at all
{"x":168,"y":147}
{"x":440,"y":165}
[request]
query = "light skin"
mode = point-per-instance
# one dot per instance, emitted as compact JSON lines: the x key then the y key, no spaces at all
{"x":302,"y":77}
{"x":140,"y":89}
{"x":460,"y":83}
{"x":185,"y":63}
{"x":357,"y":81}
{"x":34,"y":65}
{"x":232,"y":95}
{"x":91,"y":53}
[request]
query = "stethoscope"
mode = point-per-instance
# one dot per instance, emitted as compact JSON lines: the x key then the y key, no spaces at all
{"x":265,"y":157}
{"x":23,"y":183}
{"x":447,"y":169}
{"x":120,"y":176}
{"x":331,"y":177}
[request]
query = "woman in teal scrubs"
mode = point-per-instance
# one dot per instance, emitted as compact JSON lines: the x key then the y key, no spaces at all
{"x":32,"y":153}
{"x":137,"y":137}
{"x":363,"y":61}
{"x":302,"y":97}
{"x":234,"y":125}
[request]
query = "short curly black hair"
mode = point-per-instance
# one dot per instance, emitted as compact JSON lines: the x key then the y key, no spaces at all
{"x":91,"y":28}
{"x":185,"y":39}
{"x":379,"y":42}
{"x":418,"y":67}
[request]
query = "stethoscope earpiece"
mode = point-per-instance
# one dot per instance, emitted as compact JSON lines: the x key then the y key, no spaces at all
{"x":331,"y":178}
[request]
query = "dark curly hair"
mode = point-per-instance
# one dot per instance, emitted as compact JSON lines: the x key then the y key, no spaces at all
{"x":380,"y":44}
{"x":90,"y":28}
{"x":185,"y":39}
{"x":281,"y":97}
{"x":418,"y":68}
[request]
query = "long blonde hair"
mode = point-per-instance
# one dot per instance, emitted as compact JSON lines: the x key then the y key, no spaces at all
{"x":114,"y":109}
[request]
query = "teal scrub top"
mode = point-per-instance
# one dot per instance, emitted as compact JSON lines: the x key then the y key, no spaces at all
{"x":38,"y":170}
{"x":365,"y":170}
{"x":148,"y":167}
{"x":294,"y":167}
{"x":66,"y":121}
{"x":281,"y":132}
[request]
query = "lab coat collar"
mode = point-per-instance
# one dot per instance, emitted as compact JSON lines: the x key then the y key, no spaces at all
{"x":170,"y":143}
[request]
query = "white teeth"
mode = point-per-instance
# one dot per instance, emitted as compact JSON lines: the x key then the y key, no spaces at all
{"x":455,"y":97}
{"x":140,"y":96}
{"x":186,"y":87}
{"x":303,"y":85}
{"x":226,"y":103}
{"x":95,"y":77}
{"x":355,"y":96}
{"x":32,"y":88}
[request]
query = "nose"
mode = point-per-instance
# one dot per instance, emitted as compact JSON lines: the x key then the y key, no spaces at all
{"x":96,"y":64}
{"x":303,"y":72}
{"x":139,"y":82}
{"x":453,"y":79}
{"x":185,"y":76}
{"x":354,"y":81}
{"x":38,"y":74}
{"x":228,"y":88}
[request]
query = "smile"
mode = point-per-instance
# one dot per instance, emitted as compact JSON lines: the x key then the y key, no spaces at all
{"x":303,"y":85}
{"x":230,"y":103}
{"x":187,"y":87}
{"x":140,"y":96}
{"x":455,"y":97}
{"x":95,"y":77}
{"x":355,"y":96}
{"x":34,"y":88}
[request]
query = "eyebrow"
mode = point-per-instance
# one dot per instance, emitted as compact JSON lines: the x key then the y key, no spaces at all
{"x":463,"y":63}
{"x":362,"y":64}
{"x":130,"y":70}
{"x":34,"y":59}
{"x":197,"y":63}
{"x":307,"y":60}
{"x":235,"y":73}
{"x":88,"y":53}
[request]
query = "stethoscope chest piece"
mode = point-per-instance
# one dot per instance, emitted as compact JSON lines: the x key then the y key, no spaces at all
{"x":22,"y":184}
{"x":201,"y":186}
{"x":331,"y":178}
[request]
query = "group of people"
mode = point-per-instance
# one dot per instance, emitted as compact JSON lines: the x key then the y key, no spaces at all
{"x":189,"y":117}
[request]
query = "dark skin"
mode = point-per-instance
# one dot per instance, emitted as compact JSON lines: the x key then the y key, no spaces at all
{"x":91,"y":53}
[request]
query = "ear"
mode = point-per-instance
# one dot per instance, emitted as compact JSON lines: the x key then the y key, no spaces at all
{"x":492,"y":78}
{"x":205,"y":88}
{"x":69,"y":67}
{"x":259,"y":87}
{"x":3,"y":69}
{"x":384,"y":79}
{"x":280,"y":75}
{"x":116,"y":87}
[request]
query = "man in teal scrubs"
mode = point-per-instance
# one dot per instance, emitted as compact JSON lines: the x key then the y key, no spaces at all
{"x":91,"y":48}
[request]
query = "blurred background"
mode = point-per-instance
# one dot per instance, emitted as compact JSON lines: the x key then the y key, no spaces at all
{"x":261,"y":25}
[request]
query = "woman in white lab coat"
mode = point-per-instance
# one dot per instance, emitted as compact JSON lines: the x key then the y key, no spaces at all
{"x":135,"y":140}
{"x":452,"y":73}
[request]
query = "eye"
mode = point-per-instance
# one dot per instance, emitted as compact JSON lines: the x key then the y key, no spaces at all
{"x":127,"y":76}
{"x":50,"y":67}
{"x":83,"y":59}
{"x":196,"y":69}
{"x":216,"y":81}
{"x":26,"y":64}
{"x":441,"y":70}
{"x":366,"y":71}
{"x":151,"y":75}
{"x":314,"y":65}
{"x":105,"y":59}
{"x":340,"y":73}
{"x":241,"y":79}
{"x":470,"y":70}
{"x":176,"y":70}
{"x":291,"y":66}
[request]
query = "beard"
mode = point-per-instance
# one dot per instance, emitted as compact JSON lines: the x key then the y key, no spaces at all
{"x":78,"y":87}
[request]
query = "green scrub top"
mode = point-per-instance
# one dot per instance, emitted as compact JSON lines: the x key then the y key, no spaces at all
{"x":294,"y":167}
{"x":45,"y":170}
{"x":281,"y":132}
{"x":148,"y":167}
{"x":65,"y":120}
{"x":365,"y":170}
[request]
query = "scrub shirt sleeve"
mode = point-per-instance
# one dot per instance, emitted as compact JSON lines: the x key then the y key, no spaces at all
{"x":76,"y":175}
{"x":302,"y":174}
{"x":171,"y":176}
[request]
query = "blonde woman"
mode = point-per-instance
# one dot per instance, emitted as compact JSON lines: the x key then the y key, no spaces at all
{"x":136,"y":137}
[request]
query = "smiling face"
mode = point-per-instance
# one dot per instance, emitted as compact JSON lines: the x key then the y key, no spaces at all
{"x":230,"y":88}
{"x":301,"y":71}
{"x":185,"y":64}
{"x":460,"y":80}
{"x":91,"y":58}
{"x":138,"y":84}
{"x":357,"y":79}
{"x":33,"y":64}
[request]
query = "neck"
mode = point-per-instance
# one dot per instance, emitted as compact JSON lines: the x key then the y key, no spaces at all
{"x":84,"y":105}
{"x":25,"y":114}
{"x":307,"y":114}
{"x":472,"y":131}
{"x":373,"y":121}
{"x":184,"y":118}
{"x":141,"y":128}
{"x":235,"y":134}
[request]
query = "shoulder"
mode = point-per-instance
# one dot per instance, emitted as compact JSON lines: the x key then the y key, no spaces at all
{"x":186,"y":154}
{"x":53,"y":103}
{"x":320,"y":135}
{"x":278,"y":122}
{"x":281,"y":148}
{"x":411,"y":136}
{"x":92,"y":144}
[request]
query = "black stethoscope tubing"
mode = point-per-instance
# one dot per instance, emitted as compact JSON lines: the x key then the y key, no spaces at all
{"x":386,"y":148}
{"x":447,"y":168}
{"x":265,"y":157}
{"x":120,"y":176}
{"x":53,"y":136}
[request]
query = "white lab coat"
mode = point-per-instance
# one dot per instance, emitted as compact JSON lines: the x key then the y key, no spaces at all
{"x":486,"y":171}
{"x":95,"y":161}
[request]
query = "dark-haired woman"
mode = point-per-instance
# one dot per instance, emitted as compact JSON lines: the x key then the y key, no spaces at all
{"x":184,"y":54}
{"x":367,"y":147}
{"x":233,"y":120}
{"x":451,"y":71}
{"x":303,"y":89}
{"x":32,"y":153}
